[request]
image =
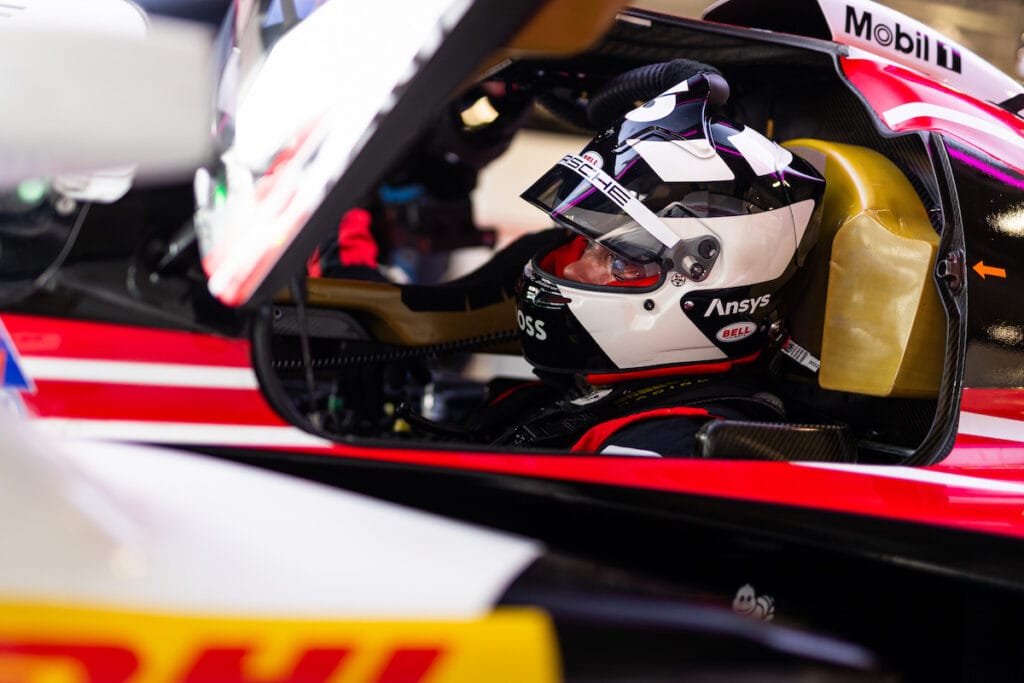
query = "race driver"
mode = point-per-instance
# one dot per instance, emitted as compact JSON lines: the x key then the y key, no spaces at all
{"x":681,"y":230}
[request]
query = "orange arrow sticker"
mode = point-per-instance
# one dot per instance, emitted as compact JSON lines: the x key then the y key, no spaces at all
{"x":981,"y":269}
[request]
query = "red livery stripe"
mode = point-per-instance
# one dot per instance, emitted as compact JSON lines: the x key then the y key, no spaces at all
{"x":885,"y":491}
{"x":1008,"y":403}
{"x":84,"y":400}
{"x":51,"y":337}
{"x":887,"y":87}
{"x":596,"y":436}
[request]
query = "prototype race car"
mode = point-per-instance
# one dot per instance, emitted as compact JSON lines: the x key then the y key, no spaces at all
{"x":897,"y":486}
{"x":111,"y":574}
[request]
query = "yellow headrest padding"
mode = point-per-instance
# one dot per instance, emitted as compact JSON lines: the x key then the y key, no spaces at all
{"x":883,"y":332}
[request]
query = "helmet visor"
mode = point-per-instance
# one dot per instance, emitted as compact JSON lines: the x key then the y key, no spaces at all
{"x":585,"y":199}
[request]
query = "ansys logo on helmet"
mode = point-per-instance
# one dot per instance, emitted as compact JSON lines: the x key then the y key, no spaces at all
{"x":734,"y":307}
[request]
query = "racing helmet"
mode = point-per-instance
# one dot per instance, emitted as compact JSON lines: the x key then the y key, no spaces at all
{"x":701,"y":222}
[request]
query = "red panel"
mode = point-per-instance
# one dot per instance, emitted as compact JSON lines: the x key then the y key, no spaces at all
{"x":107,"y":663}
{"x":980,"y":452}
{"x":85,"y":400}
{"x":887,"y":86}
{"x":596,"y":436}
{"x":40,"y":336}
{"x":956,"y":504}
{"x":408,"y":665}
{"x":1007,"y":403}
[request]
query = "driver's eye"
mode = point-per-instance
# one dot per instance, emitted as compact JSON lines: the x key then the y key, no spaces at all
{"x":624,"y":270}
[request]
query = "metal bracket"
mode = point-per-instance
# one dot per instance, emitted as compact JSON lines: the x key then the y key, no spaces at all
{"x":952,"y":270}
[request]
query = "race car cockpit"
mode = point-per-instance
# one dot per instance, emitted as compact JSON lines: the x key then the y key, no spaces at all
{"x":868,"y":359}
{"x":861,"y":361}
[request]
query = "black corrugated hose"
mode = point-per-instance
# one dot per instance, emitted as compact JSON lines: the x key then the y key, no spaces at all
{"x":622,"y":93}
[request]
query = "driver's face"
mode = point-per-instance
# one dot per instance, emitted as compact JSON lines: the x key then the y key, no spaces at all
{"x":594,"y":266}
{"x":598,"y":266}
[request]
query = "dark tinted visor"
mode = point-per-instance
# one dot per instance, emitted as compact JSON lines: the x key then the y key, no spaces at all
{"x":588,"y":201}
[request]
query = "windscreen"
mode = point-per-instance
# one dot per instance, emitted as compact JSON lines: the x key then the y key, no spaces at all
{"x":303,"y":85}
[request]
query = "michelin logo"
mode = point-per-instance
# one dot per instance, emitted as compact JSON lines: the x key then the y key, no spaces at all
{"x":719,"y":307}
{"x":917,"y":43}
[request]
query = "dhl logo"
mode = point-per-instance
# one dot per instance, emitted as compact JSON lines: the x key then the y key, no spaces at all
{"x":41,"y":644}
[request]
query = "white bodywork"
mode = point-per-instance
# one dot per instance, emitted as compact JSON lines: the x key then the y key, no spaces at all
{"x":93,"y":86}
{"x":882,"y":31}
{"x":100,"y":523}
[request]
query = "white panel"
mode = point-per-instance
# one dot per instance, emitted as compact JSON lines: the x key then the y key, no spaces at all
{"x":763,"y":155}
{"x":184,"y":433}
{"x":681,"y":86}
{"x":925,"y":476}
{"x":117,"y":17}
{"x":76,"y":100}
{"x":660,"y":107}
{"x":144,"y":528}
{"x":653,"y":110}
{"x":625,"y":450}
{"x":105,"y":186}
{"x":755,"y":247}
{"x":678,"y":161}
{"x":992,"y":427}
{"x":158,"y":374}
{"x":905,"y":112}
{"x":633,"y":337}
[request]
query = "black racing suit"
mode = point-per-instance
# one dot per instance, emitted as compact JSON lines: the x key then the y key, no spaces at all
{"x":659,"y":417}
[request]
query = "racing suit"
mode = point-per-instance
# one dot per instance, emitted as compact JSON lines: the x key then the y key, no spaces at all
{"x":648,"y":418}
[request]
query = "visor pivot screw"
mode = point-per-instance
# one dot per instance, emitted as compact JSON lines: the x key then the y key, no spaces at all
{"x":697,"y":272}
{"x":649,"y":304}
{"x":707,"y":249}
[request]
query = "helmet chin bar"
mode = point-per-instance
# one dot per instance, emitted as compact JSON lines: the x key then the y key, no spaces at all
{"x":694,"y":257}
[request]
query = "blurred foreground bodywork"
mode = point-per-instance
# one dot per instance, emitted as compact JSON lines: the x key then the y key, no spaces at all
{"x":640,"y":568}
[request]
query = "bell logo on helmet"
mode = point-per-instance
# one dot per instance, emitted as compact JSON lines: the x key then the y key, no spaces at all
{"x":717,"y":307}
{"x":736,"y":332}
{"x":593,"y":158}
{"x":532,"y":327}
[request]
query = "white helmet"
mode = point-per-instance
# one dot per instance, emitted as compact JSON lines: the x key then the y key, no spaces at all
{"x":701,"y":223}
